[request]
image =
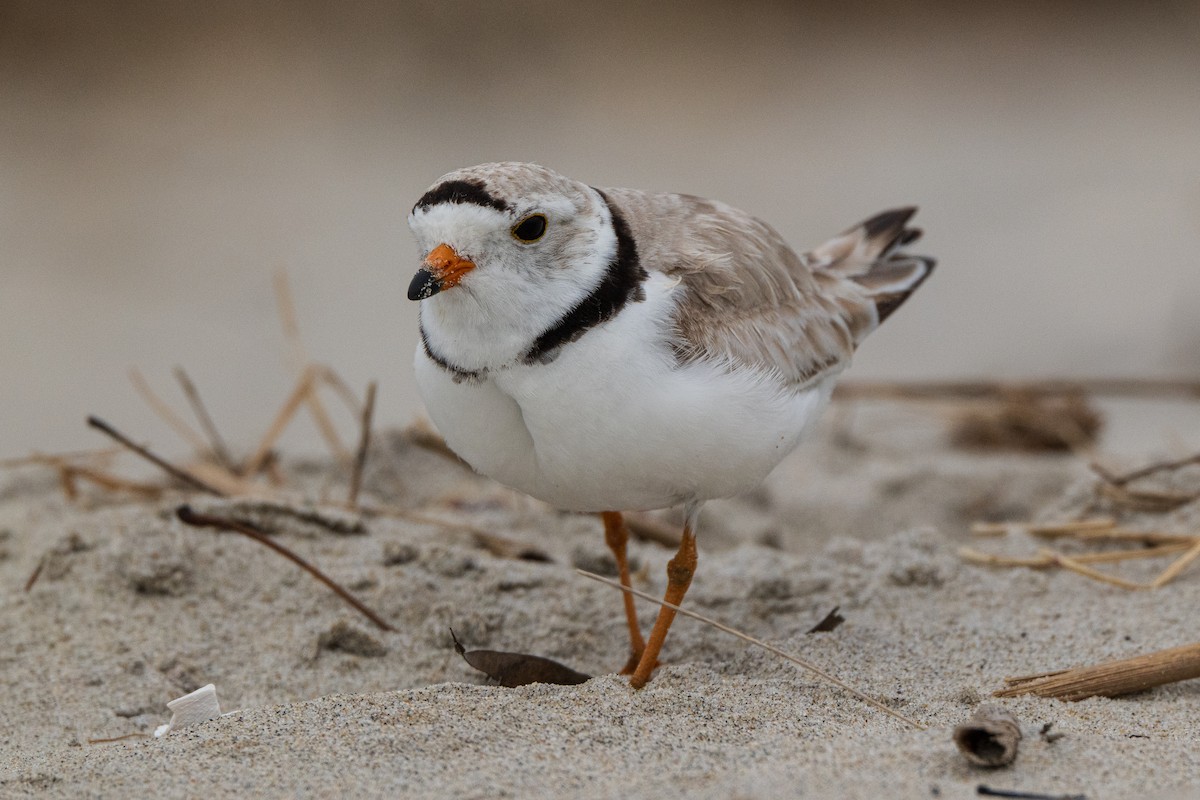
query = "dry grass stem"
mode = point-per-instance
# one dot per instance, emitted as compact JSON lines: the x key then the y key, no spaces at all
{"x":172,"y":470}
{"x":37,"y":573}
{"x":1073,"y":565}
{"x":56,"y":459}
{"x":335,"y":381}
{"x":1126,"y":535}
{"x":992,"y":528}
{"x":1112,"y":556}
{"x":303,"y":365}
{"x":282,"y":419}
{"x":113,"y":483}
{"x":1111,"y":678}
{"x":1172,"y":572}
{"x":189,"y":517}
{"x":758,"y":642}
{"x":1047,"y":529}
{"x":1071,"y":527}
{"x":364,"y":444}
{"x":166,"y":413}
{"x":287,"y":318}
{"x":1148,"y":500}
{"x":230,"y":483}
{"x":1100,"y":529}
{"x":216,"y":443}
{"x":1143,"y":472}
{"x":316,"y":410}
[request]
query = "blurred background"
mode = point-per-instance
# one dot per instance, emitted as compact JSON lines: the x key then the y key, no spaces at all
{"x":159,"y":161}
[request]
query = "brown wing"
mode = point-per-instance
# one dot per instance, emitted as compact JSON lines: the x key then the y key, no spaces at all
{"x":749,"y":298}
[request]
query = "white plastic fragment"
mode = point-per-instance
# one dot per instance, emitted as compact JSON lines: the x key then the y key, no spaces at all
{"x":199,"y":706}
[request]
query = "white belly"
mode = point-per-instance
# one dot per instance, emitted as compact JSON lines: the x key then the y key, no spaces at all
{"x":612,"y":424}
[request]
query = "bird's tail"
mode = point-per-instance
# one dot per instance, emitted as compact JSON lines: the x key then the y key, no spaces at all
{"x":871,"y":254}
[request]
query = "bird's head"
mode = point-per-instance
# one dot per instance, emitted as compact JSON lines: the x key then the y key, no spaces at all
{"x":506,"y":251}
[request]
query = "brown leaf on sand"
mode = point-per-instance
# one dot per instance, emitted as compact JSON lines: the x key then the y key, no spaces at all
{"x":518,"y":669}
{"x":831,"y":622}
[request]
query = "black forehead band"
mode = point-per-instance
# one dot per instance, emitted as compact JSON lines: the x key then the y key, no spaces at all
{"x":472,"y":192}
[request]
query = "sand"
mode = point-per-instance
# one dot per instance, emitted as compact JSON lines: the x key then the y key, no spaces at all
{"x":133,"y":609}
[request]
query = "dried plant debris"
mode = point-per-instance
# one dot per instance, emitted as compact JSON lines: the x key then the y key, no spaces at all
{"x":990,"y":738}
{"x":284,"y":516}
{"x":1111,"y":678}
{"x":1163,"y":495}
{"x":215,"y":471}
{"x":1153,"y":544}
{"x":831,"y":622}
{"x":1028,"y":422}
{"x":518,"y":669}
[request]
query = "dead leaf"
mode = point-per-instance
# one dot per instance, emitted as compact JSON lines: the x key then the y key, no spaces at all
{"x":518,"y":669}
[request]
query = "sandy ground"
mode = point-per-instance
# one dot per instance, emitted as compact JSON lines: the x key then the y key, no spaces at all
{"x":132,"y":609}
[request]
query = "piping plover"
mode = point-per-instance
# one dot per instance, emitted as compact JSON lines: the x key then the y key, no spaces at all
{"x":610,"y":350}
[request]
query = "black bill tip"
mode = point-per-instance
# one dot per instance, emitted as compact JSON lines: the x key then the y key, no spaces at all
{"x":424,"y":284}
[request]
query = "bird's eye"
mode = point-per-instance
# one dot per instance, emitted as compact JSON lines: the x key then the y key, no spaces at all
{"x":530,"y":229}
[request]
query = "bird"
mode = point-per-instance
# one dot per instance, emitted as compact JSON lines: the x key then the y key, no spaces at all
{"x":610,"y":350}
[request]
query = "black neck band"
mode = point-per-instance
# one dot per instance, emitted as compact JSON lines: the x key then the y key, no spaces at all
{"x":622,"y":282}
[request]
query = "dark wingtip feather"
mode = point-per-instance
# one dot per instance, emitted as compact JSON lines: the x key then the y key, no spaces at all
{"x":886,"y":304}
{"x":890,"y":222}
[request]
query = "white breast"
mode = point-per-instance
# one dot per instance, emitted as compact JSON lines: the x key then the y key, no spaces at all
{"x":613,"y":423}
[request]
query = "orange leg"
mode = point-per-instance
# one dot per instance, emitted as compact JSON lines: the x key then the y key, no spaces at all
{"x":679,"y":577}
{"x":616,"y":535}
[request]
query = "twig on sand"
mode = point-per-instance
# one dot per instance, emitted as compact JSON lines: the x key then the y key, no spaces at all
{"x":364,"y":443}
{"x":1158,"y":466}
{"x":37,"y":572}
{"x":1111,"y":678}
{"x":189,"y":517}
{"x":172,"y":470}
{"x":759,"y":642}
